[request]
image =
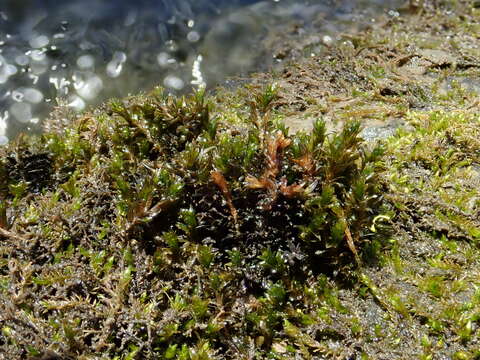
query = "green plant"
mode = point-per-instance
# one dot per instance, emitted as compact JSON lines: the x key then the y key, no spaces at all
{"x":168,"y":215}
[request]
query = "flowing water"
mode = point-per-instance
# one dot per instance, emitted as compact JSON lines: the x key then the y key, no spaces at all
{"x":80,"y":52}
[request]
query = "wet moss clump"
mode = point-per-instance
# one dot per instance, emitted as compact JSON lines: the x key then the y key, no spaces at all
{"x":200,"y":228}
{"x":156,"y":228}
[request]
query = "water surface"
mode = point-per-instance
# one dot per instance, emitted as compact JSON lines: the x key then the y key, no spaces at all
{"x":80,"y":52}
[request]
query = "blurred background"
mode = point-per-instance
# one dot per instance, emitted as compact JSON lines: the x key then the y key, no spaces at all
{"x":79,"y":53}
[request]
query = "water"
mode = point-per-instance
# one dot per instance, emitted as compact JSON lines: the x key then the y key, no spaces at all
{"x":80,"y":52}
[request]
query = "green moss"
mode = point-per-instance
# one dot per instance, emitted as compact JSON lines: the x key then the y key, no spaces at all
{"x":202,"y":228}
{"x":176,"y":209}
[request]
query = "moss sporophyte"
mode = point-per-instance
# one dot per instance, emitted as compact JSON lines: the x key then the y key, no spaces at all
{"x":203,"y":227}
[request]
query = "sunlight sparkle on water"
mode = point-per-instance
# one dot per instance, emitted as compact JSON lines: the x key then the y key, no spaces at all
{"x":36,"y":55}
{"x":173,"y":82}
{"x":17,"y":96}
{"x":61,"y":84}
{"x":197,"y":73}
{"x":22,"y":60}
{"x":85,"y":61}
{"x":114,"y":67}
{"x":39,"y":41}
{"x":33,"y":95}
{"x":21,"y":111}
{"x":193,"y":36}
{"x":77,"y":103}
{"x":163,"y":59}
{"x":90,"y":88}
{"x":6,"y":70}
{"x":3,"y":128}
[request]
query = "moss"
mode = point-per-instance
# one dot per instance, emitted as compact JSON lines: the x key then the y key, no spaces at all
{"x":201,"y":227}
{"x":159,"y":228}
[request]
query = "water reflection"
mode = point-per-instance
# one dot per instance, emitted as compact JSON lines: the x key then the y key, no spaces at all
{"x":84,"y":51}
